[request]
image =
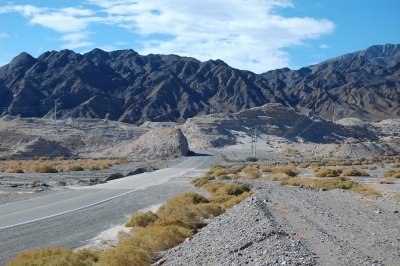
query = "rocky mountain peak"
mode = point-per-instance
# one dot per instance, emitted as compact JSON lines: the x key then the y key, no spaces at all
{"x":135,"y":88}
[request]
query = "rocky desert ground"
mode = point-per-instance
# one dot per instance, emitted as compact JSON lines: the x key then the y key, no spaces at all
{"x":300,"y":222}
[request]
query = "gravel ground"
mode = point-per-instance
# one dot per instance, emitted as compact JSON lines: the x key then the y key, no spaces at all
{"x":297,"y":226}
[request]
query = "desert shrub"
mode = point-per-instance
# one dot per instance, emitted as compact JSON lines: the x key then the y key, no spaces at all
{"x":210,"y":210}
{"x":353,"y":172}
{"x":94,"y":168}
{"x":236,"y":200}
{"x":76,"y":168}
{"x":142,"y":219}
{"x":220,"y":197}
{"x":332,"y":183}
{"x":155,"y":238}
{"x":396,"y":197}
{"x":212,"y":170}
{"x":229,"y":189}
{"x":328,"y":172}
{"x":266,"y":168}
{"x":387,"y":180}
{"x":55,"y":256}
{"x":282,"y":172}
{"x":221,"y":172}
{"x":45,"y":168}
{"x":14,"y":170}
{"x":304,"y":165}
{"x":251,"y":172}
{"x":201,"y":181}
{"x":236,"y":169}
{"x":236,"y":189}
{"x":251,"y":159}
{"x":182,"y":210}
{"x":392,"y":173}
{"x":277,"y":176}
{"x":124,"y":254}
{"x":188,"y":197}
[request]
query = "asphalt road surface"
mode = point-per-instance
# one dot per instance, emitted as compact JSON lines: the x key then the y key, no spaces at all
{"x":72,"y":218}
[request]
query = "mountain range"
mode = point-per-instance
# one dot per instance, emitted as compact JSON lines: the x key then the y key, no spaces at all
{"x":125,"y":86}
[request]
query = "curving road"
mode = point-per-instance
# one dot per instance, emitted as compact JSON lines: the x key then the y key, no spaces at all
{"x":72,"y":218}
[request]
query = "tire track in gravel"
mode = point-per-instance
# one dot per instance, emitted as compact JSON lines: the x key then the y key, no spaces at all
{"x":342,"y":228}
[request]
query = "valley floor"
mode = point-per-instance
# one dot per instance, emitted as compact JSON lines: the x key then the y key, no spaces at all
{"x":282,"y":225}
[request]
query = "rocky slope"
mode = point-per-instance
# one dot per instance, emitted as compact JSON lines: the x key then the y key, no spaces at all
{"x":363,"y":84}
{"x":125,"y":86}
{"x":271,"y":119}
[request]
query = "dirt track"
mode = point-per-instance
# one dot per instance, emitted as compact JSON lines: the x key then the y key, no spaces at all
{"x":315,"y":228}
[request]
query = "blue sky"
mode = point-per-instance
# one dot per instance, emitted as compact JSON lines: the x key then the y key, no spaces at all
{"x":256,"y":35}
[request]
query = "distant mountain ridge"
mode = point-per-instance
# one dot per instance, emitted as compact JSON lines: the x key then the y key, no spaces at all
{"x":125,"y":86}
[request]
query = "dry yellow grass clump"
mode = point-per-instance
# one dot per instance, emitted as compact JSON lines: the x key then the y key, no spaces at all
{"x":332,"y":183}
{"x":328,"y":172}
{"x":282,"y":172}
{"x":55,"y":256}
{"x":335,"y":172}
{"x":251,"y":172}
{"x":353,"y":172}
{"x":392,"y":173}
{"x":44,"y":165}
{"x":396,"y":197}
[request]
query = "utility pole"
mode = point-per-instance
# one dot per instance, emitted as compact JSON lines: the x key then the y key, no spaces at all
{"x":334,"y":115}
{"x":55,"y":110}
{"x":255,"y":143}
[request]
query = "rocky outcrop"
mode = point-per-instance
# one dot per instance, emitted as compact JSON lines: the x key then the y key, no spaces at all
{"x":270,"y":119}
{"x":157,"y":143}
{"x":40,"y":147}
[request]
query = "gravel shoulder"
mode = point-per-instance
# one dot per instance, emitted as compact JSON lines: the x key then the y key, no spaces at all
{"x":297,"y":226}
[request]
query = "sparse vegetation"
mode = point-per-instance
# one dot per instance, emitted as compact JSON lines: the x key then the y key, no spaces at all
{"x":282,"y":172}
{"x":335,"y":172}
{"x":175,"y":221}
{"x":332,"y":183}
{"x":44,"y":168}
{"x":45,"y":165}
{"x":354,"y":172}
{"x":392,"y":173}
{"x":179,"y":218}
{"x":142,"y":219}
{"x":328,"y":172}
{"x":396,"y":197}
{"x":387,"y":180}
{"x":55,"y":256}
{"x":251,"y":172}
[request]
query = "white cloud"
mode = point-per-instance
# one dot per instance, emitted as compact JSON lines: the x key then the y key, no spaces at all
{"x":76,"y":40}
{"x":247,"y":34}
{"x":324,"y":46}
{"x":4,"y":35}
{"x":71,"y":22}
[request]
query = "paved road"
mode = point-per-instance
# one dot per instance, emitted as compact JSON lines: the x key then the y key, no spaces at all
{"x":72,"y":218}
